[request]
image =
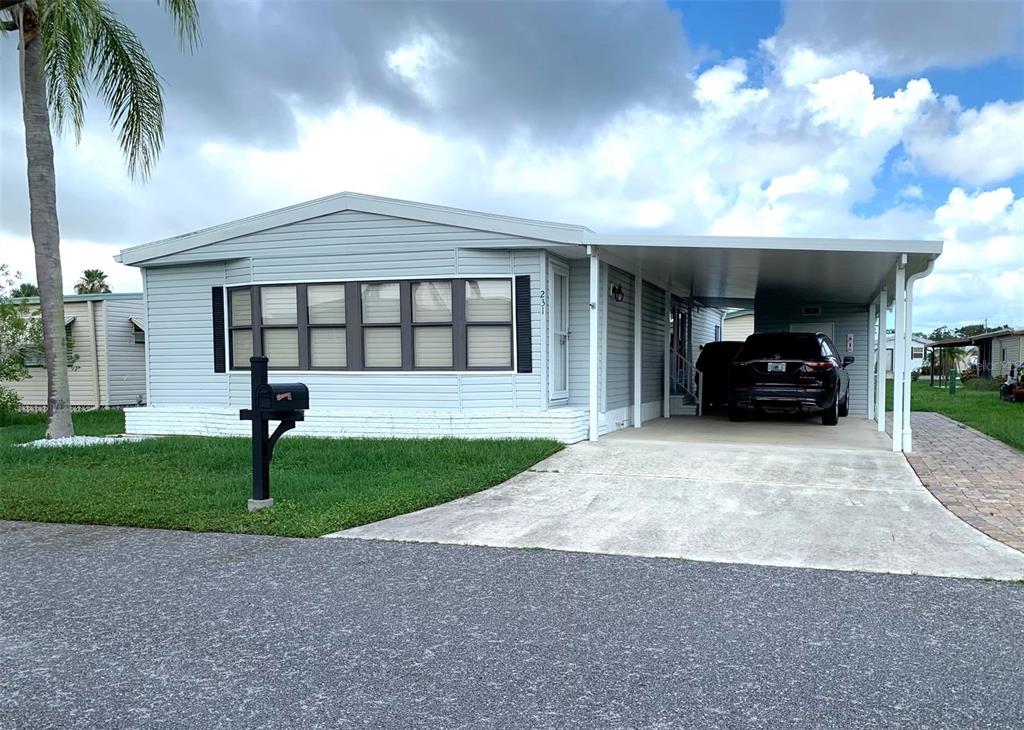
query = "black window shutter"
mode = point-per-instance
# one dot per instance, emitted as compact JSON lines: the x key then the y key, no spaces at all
{"x":524,"y":334}
{"x":219,"y":360}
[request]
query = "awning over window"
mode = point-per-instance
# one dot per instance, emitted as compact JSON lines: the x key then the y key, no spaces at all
{"x":138,"y":324}
{"x":68,"y":321}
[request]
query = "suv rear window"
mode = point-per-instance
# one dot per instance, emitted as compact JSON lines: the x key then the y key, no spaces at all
{"x":784,"y":346}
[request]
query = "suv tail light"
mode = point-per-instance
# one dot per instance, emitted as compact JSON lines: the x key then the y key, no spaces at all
{"x":815,"y":366}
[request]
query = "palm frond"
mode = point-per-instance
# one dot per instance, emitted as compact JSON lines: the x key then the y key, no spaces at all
{"x":65,"y":29}
{"x":185,"y":16}
{"x":130,"y":86}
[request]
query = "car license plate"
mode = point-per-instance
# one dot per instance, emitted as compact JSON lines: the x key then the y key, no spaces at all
{"x":776,"y":367}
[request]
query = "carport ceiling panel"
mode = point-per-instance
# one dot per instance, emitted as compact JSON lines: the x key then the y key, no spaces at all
{"x":827,"y":276}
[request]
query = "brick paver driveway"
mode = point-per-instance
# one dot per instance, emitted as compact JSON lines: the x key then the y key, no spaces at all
{"x":979,"y":479}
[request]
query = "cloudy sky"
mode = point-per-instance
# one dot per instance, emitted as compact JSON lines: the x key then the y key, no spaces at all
{"x":859,"y":119}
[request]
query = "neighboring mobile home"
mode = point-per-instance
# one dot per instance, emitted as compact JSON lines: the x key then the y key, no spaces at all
{"x":918,"y":347}
{"x":107,"y":336}
{"x":406,"y":319}
{"x":997,"y":351}
{"x":738,"y":325}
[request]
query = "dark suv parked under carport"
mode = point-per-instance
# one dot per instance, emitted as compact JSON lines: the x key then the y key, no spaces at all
{"x":789,"y":372}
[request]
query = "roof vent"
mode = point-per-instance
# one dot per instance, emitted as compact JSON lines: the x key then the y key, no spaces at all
{"x":812,"y":311}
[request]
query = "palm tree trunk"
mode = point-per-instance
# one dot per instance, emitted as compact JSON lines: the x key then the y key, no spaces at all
{"x":42,"y":195}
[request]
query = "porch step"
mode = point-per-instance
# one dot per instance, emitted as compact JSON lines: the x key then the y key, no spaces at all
{"x":682,"y":405}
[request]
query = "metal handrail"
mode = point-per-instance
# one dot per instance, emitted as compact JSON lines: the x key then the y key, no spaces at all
{"x":682,"y":378}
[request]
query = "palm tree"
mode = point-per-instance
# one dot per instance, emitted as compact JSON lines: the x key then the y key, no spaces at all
{"x":93,"y":281}
{"x":25,"y":289}
{"x":65,"y":46}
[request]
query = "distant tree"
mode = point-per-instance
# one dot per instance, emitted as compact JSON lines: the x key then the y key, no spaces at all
{"x":942,"y":333}
{"x":20,"y":332}
{"x":92,"y":281}
{"x":25,"y":289}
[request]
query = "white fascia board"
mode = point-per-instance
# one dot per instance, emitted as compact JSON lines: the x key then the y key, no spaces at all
{"x":522,"y":227}
{"x":866,"y":245}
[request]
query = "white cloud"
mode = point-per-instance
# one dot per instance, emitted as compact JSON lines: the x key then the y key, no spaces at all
{"x":891,"y":37}
{"x":976,"y":146}
{"x":912,"y":192}
{"x":76,"y":256}
{"x":781,"y":157}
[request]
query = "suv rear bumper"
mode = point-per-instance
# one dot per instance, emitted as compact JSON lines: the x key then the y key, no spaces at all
{"x":783,"y":398}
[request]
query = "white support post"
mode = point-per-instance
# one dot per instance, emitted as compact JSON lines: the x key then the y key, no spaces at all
{"x":899,"y":336}
{"x":666,"y":389}
{"x":595,"y":299}
{"x":883,"y":306}
{"x":638,"y":349}
{"x":872,"y":358}
{"x":908,"y":319}
{"x":908,"y":441}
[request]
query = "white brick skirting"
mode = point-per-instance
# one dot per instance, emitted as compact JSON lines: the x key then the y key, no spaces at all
{"x":567,"y":425}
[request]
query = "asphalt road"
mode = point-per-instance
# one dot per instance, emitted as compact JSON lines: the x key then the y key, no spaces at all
{"x":112,"y":627}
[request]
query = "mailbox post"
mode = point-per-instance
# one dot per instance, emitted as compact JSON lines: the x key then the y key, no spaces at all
{"x":284,"y":402}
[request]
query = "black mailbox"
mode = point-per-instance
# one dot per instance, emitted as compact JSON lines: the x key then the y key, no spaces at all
{"x":284,"y":402}
{"x":276,"y":397}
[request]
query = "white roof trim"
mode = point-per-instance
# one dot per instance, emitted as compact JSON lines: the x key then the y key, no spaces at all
{"x":858,"y":245}
{"x":540,"y":230}
{"x":137,"y":323}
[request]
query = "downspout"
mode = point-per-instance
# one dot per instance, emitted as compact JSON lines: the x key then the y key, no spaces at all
{"x":907,"y":434}
{"x":898,"y":360}
{"x":94,"y":351}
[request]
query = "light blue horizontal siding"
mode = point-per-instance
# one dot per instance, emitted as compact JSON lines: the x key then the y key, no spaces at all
{"x":847,"y":319}
{"x":179,"y":328}
{"x":341,"y":246}
{"x":126,"y":359}
{"x":347,"y":233}
{"x":619,"y":337}
{"x":653,"y":356}
{"x":704,"y":321}
{"x":579,"y":332}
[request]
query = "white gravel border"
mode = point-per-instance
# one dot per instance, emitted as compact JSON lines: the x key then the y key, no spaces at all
{"x":83,"y":441}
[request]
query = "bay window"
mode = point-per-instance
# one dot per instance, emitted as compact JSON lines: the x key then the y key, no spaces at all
{"x":450,"y":324}
{"x":489,"y":323}
{"x":279,"y":324}
{"x":240,"y":325}
{"x":432,"y":324}
{"x":328,"y":342}
{"x":382,"y":325}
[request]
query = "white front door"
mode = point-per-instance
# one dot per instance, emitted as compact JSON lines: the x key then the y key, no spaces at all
{"x":558,"y":323}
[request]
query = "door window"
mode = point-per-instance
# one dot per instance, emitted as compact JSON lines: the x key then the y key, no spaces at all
{"x":559,"y":322}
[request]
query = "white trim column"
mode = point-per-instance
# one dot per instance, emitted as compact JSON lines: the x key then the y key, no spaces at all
{"x":898,"y":361}
{"x":908,"y":319}
{"x":666,"y":388}
{"x":638,"y":349}
{"x":883,"y":307}
{"x":595,"y":279}
{"x":872,"y":359}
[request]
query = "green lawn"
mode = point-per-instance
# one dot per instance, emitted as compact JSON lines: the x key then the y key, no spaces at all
{"x":975,"y":404}
{"x":199,"y":483}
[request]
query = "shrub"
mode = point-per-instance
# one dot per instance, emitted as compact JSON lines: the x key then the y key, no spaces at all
{"x":9,"y":404}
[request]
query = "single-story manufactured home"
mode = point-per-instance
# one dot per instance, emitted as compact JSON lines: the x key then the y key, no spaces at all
{"x":106,"y":334}
{"x":407,"y":319}
{"x":997,"y":351}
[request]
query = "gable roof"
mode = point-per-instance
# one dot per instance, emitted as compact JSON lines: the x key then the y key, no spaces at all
{"x":523,"y":227}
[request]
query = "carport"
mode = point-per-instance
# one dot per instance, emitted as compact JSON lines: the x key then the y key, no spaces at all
{"x":847,"y":286}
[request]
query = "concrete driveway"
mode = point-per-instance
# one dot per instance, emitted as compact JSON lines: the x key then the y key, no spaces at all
{"x":777,"y":493}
